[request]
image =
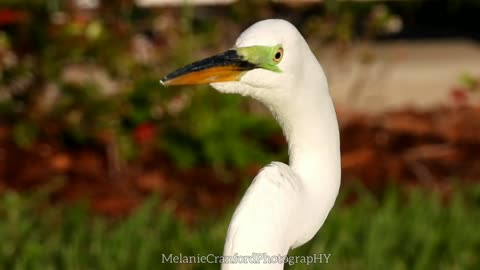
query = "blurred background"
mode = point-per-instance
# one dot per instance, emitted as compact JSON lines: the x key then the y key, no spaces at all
{"x":101,"y":167}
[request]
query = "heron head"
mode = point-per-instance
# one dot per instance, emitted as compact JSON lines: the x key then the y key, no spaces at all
{"x":267,"y":62}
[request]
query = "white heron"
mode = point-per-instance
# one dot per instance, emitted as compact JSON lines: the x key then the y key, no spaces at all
{"x":285,"y":205}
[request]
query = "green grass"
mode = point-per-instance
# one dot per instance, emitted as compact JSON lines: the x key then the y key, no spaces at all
{"x":374,"y":233}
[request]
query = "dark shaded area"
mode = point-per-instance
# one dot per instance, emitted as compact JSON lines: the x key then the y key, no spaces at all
{"x":437,"y":19}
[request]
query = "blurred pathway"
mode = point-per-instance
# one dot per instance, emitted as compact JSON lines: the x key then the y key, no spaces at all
{"x":389,"y":75}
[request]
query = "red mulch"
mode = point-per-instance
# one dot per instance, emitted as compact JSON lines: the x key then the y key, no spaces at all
{"x":411,"y":147}
{"x":408,"y":146}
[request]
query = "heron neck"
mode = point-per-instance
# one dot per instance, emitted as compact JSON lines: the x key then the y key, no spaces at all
{"x":311,"y":128}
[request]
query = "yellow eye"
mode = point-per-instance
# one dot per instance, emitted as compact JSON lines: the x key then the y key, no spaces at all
{"x":278,"y":55}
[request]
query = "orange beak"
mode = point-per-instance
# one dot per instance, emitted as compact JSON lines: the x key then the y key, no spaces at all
{"x":225,"y":67}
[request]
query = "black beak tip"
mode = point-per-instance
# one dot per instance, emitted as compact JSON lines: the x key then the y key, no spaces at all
{"x":163,"y":81}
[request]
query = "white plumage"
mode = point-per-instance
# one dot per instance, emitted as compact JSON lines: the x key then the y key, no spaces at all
{"x":285,"y":205}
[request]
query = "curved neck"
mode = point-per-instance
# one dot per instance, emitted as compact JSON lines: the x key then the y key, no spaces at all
{"x":310,"y":125}
{"x":313,"y":142}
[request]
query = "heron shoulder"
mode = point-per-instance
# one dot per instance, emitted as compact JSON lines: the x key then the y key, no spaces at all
{"x":265,"y":219}
{"x":276,"y":185}
{"x":280,"y":175}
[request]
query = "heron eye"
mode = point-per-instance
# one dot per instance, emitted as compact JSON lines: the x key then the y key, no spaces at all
{"x":278,"y":55}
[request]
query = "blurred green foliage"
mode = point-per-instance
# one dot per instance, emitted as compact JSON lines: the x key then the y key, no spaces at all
{"x":219,"y":132}
{"x":422,"y":231}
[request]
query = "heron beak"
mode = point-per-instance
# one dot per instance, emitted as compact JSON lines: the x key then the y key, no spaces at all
{"x":225,"y":67}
